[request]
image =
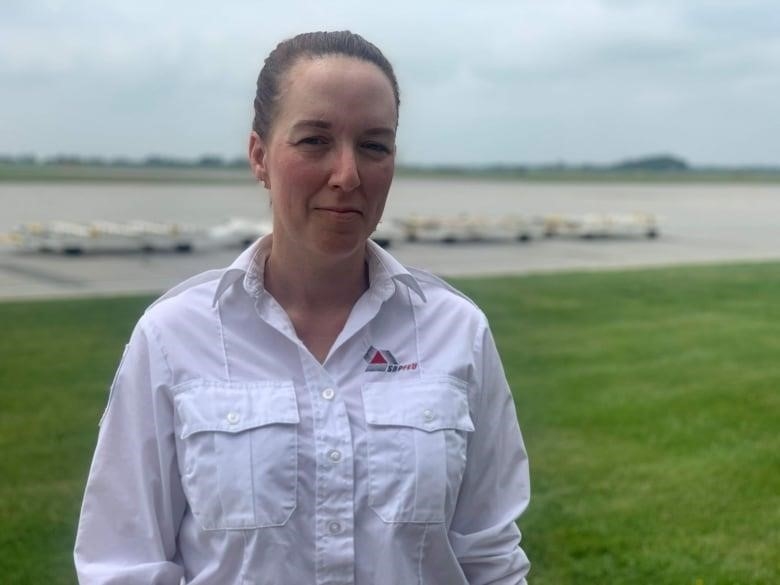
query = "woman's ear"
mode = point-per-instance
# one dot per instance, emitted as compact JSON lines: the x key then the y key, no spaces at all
{"x":257,"y":153}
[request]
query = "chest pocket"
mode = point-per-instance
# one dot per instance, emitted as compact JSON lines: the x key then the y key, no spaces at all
{"x":237,"y":445}
{"x":417,"y":438}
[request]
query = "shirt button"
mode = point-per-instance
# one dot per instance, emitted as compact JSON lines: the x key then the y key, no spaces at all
{"x":233,"y":417}
{"x":334,"y":527}
{"x":334,"y":455}
{"x":428,"y":415}
{"x":328,"y":393}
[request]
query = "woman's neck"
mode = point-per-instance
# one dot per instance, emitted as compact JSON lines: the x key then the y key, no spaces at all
{"x":316,"y":294}
{"x":303,"y":283}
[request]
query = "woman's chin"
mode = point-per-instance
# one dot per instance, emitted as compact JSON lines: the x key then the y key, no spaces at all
{"x":341,"y":245}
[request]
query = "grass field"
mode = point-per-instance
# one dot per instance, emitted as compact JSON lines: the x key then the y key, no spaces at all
{"x":649,"y":400}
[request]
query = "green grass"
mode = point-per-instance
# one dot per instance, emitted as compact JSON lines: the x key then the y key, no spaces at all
{"x":649,"y":400}
{"x":650,"y":403}
{"x":56,"y":361}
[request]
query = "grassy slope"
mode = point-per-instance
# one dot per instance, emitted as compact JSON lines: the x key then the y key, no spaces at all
{"x":648,"y":399}
{"x":56,"y":360}
{"x":650,"y":405}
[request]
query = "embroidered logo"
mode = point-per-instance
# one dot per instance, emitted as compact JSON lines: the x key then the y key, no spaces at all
{"x":381,"y":360}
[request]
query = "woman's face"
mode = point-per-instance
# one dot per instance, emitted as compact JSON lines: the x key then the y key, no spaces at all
{"x":329,"y":157}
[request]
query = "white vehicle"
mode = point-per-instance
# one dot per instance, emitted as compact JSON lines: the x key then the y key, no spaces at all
{"x":602,"y":225}
{"x":57,"y":236}
{"x":513,"y":227}
{"x":167,"y":237}
{"x":465,"y":228}
{"x":65,"y":237}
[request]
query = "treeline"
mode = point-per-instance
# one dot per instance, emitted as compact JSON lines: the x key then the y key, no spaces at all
{"x":666,"y":164}
{"x":208,"y":161}
{"x":662,"y":164}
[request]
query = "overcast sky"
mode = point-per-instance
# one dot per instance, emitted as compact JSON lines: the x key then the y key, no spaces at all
{"x":515,"y":81}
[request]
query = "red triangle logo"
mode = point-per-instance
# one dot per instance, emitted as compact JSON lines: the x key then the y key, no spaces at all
{"x":378,"y":359}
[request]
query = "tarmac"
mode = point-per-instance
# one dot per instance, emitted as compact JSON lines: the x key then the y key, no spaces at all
{"x":32,"y":275}
{"x":698,"y":224}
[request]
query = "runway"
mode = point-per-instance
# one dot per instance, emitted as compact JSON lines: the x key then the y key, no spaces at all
{"x":26,"y":276}
{"x":699,"y":224}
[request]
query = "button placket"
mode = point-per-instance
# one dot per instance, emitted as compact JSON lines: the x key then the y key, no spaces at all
{"x":335,"y":476}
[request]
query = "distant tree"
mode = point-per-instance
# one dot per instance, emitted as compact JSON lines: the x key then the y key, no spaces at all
{"x":64,"y":159}
{"x":663,"y":162}
{"x":211,"y":161}
{"x":155,"y":160}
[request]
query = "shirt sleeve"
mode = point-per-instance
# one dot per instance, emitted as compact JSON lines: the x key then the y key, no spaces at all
{"x":133,"y":502}
{"x":496,"y":487}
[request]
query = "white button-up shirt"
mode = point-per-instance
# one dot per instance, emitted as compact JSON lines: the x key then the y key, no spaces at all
{"x":228,"y":455}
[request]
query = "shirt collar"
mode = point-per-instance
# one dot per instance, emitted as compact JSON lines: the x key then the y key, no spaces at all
{"x":388,"y":266}
{"x":251,"y":263}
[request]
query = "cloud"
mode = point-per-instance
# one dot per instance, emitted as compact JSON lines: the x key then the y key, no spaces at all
{"x":510,"y":81}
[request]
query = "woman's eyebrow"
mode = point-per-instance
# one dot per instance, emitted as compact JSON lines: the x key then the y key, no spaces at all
{"x":325,"y":125}
{"x":312,"y":123}
{"x":380,"y":131}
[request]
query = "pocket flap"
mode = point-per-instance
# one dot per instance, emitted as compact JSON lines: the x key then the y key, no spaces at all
{"x":430,"y":405}
{"x":232,"y":407}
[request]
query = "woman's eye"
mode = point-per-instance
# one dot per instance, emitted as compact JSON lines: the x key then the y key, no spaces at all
{"x":313,"y":141}
{"x":377,"y":147}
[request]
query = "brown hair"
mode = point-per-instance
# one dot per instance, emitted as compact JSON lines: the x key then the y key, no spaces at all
{"x":313,"y":44}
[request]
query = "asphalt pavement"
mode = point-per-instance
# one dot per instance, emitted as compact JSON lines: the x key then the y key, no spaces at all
{"x":698,"y":224}
{"x":33,"y":275}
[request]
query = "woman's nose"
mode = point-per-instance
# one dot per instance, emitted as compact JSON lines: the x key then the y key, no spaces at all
{"x":345,"y":174}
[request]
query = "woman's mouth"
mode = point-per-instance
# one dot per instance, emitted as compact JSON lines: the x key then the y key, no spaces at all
{"x":344,"y":212}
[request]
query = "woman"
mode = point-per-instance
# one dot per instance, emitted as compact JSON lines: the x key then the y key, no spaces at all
{"x":316,"y":412}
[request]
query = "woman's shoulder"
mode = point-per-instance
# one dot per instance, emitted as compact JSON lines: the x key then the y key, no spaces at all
{"x":440,"y":294}
{"x":185,"y":301}
{"x":199,"y":294}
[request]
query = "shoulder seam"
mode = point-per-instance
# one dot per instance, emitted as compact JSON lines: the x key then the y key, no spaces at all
{"x":192,"y":282}
{"x":429,"y":278}
{"x":150,"y":330}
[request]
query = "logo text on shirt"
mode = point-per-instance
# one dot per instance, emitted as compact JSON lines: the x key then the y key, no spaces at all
{"x":381,"y":360}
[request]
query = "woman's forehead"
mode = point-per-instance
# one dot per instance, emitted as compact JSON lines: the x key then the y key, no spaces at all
{"x":336,"y":85}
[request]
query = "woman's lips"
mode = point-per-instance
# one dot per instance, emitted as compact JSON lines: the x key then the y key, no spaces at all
{"x":340,"y":211}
